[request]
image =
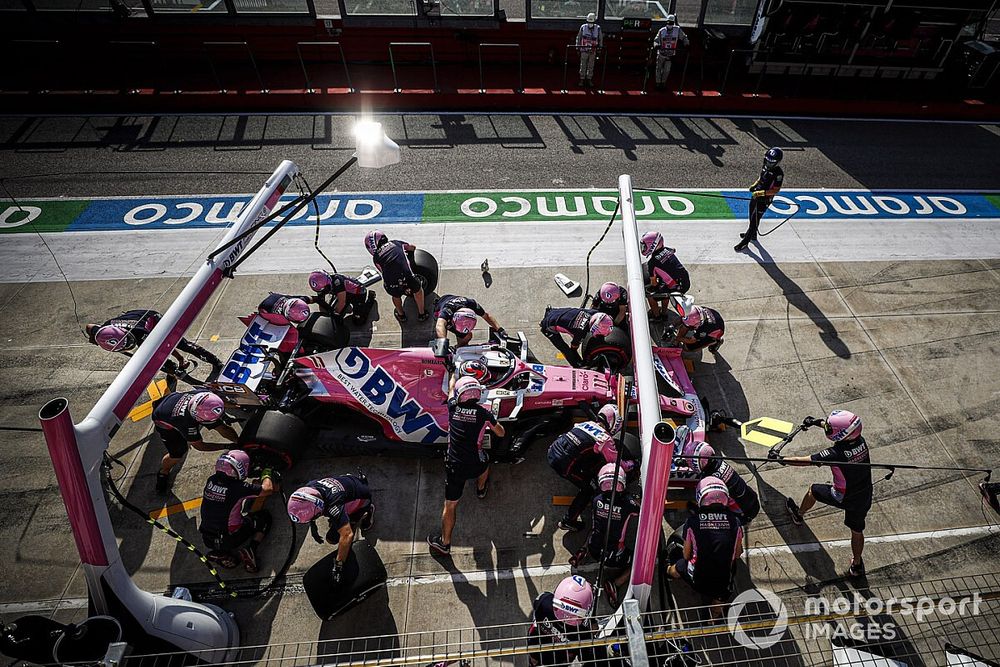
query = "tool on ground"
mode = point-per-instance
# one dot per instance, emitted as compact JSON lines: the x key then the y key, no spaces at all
{"x":566,"y":285}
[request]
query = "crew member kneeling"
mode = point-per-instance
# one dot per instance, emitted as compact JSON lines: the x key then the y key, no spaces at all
{"x":229,"y":525}
{"x":703,"y":327}
{"x":577,"y":322}
{"x":743,"y":500}
{"x":713,"y":541}
{"x":561,"y":617}
{"x":345,"y":500}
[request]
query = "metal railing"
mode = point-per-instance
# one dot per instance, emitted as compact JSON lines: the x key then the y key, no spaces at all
{"x":305,"y":72}
{"x":601,"y":55}
{"x":800,"y":635}
{"x":520,"y":69}
{"x":392,"y":62}
{"x":209,"y":46}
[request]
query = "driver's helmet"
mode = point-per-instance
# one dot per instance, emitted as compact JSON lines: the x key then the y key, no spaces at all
{"x":650,"y":243}
{"x":611,"y":417}
{"x":305,"y":504}
{"x":374,"y":240}
{"x":842,"y":425}
{"x":711,"y":491}
{"x":114,"y":339}
{"x":319,"y":281}
{"x":295,"y":310}
{"x":698,"y":455}
{"x":235,"y":463}
{"x":772,"y":157}
{"x":473,"y":368}
{"x":206,"y":408}
{"x":610,"y":293}
{"x":601,"y":324}
{"x":606,"y":477}
{"x":468,"y":389}
{"x":572,"y":600}
{"x":694,"y":318}
{"x":464,"y":320}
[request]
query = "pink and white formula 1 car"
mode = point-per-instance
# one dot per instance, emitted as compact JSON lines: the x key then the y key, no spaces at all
{"x":357,"y":400}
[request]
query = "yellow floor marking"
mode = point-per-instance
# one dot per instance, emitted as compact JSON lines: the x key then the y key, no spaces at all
{"x":214,"y":338}
{"x":173,"y":509}
{"x":560,"y":355}
{"x":156,"y":391}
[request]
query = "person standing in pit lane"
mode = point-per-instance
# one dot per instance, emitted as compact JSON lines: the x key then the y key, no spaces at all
{"x":457,"y":314}
{"x":392,"y":260}
{"x":762,"y":192}
{"x":852,"y":485}
{"x":665,"y":48}
{"x":701,"y":459}
{"x":178,"y":418}
{"x":346,"y":501}
{"x":129,"y":330}
{"x":229,"y":525}
{"x":713,"y":542}
{"x":578,"y":455}
{"x":577,"y":322}
{"x":666,"y":273}
{"x":561,"y":617}
{"x":335,"y":292}
{"x":465,"y":459}
{"x":589,"y":41}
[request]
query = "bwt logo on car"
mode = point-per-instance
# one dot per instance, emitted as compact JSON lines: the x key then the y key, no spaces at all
{"x":378,"y":392}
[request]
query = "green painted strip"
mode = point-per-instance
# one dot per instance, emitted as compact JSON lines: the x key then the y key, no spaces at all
{"x":42,"y":216}
{"x":567,"y":205}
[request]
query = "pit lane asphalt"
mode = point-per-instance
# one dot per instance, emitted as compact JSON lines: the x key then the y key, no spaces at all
{"x":908,"y":345}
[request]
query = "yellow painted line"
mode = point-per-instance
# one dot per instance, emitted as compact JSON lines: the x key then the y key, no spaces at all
{"x":173,"y":509}
{"x":560,"y":355}
{"x":562,"y":501}
{"x":156,"y":391}
{"x":214,"y":338}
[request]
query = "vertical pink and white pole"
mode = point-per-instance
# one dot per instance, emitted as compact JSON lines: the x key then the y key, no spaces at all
{"x":655,"y":436}
{"x":77,"y":453}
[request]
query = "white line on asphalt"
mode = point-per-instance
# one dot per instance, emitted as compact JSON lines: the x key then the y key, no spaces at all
{"x":929,"y":535}
{"x":556,"y":570}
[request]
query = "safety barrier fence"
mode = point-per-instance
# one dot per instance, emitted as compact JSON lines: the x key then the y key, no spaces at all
{"x":917,"y":623}
{"x":137,"y":66}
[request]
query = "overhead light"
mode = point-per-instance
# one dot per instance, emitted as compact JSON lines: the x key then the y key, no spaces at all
{"x":374,"y":149}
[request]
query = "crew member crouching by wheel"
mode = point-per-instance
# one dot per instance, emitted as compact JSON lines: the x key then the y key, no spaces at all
{"x":335,"y":292}
{"x":702,"y":327}
{"x":610,"y":519}
{"x":282,"y":309}
{"x":561,"y":617}
{"x":577,"y":322}
{"x":457,"y":314}
{"x":713,"y":542}
{"x":178,"y":419}
{"x":666,"y":273}
{"x":612,"y":299}
{"x":345,"y":500}
{"x":229,"y":525}
{"x":701,"y":458}
{"x":578,"y":455}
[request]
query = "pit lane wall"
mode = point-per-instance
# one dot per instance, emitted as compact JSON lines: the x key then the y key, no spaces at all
{"x":205,"y":211}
